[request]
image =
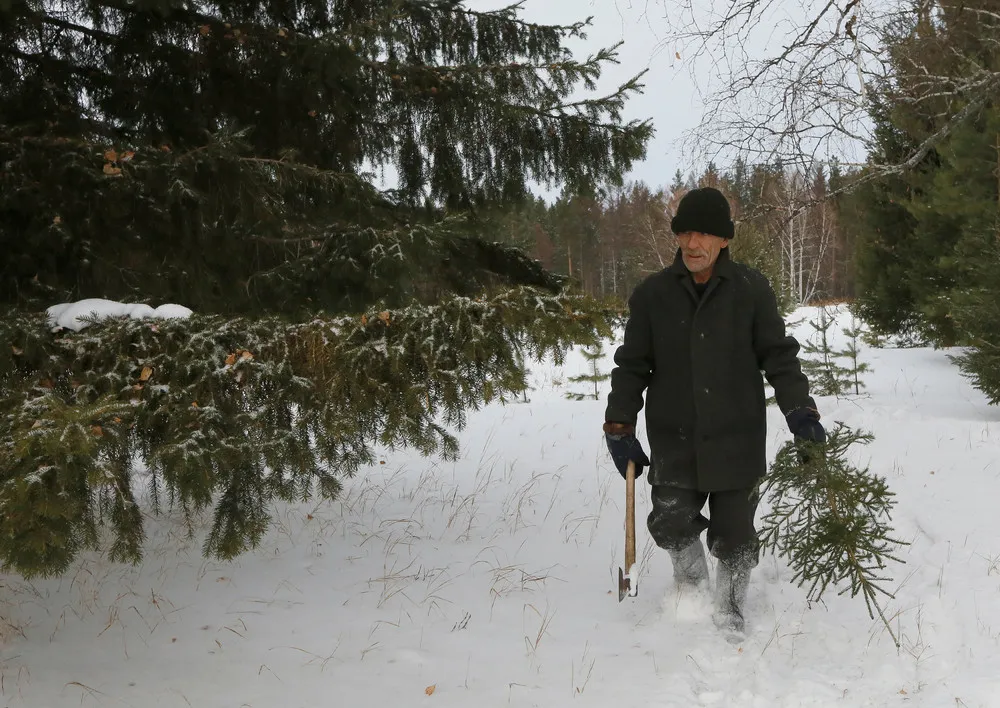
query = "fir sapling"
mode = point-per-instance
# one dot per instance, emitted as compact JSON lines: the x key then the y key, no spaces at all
{"x":851,"y":353}
{"x":826,"y":376}
{"x":595,"y":376}
{"x":831,"y":520}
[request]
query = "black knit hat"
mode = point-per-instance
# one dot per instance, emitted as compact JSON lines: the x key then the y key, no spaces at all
{"x":705,"y":210}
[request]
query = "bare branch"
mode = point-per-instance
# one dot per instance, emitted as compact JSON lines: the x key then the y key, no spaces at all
{"x":789,"y":85}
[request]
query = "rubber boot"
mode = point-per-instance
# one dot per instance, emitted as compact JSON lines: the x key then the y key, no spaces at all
{"x":731,"y":586}
{"x":690,"y":565}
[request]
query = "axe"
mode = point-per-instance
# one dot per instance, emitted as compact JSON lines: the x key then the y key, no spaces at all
{"x":627,"y":585}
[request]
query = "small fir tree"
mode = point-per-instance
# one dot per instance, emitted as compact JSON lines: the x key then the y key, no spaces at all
{"x":851,"y":353}
{"x":827,"y":377}
{"x":831,"y":519}
{"x":595,"y":376}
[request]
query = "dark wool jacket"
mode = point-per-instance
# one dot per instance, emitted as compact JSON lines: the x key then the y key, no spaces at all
{"x":699,"y":362}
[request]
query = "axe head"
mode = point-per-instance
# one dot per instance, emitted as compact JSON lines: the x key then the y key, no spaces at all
{"x":625,"y":586}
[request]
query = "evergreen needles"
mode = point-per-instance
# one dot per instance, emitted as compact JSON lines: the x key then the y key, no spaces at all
{"x":228,"y":414}
{"x":977,"y":311}
{"x":831,"y":520}
{"x":223,"y":156}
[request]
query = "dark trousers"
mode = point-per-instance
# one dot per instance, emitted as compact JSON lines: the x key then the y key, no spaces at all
{"x":676,"y":521}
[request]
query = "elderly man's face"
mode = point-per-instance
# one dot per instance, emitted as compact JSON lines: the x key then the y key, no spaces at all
{"x":700,"y":251}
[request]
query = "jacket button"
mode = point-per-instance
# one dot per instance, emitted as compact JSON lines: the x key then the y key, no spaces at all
{"x":702,"y":335}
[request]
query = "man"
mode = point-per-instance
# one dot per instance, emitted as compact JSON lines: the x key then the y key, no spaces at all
{"x":698,"y":336}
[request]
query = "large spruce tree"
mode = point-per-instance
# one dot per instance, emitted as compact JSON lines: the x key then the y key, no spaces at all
{"x":222,"y":155}
{"x":928,"y":228}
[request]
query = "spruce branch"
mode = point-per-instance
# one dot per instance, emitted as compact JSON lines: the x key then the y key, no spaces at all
{"x":831,"y":520}
{"x":226,"y":414}
{"x":977,"y":312}
{"x":50,"y":451}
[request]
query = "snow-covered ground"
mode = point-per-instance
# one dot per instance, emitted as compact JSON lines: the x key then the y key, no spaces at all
{"x":492,"y":582}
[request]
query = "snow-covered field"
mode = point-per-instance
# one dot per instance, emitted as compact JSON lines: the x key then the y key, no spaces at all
{"x":492,"y":582}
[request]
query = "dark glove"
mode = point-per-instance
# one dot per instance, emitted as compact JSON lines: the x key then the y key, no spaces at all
{"x":624,"y":446}
{"x":808,"y":431}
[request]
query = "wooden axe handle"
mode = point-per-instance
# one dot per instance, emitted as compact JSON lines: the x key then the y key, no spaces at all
{"x":630,"y":517}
